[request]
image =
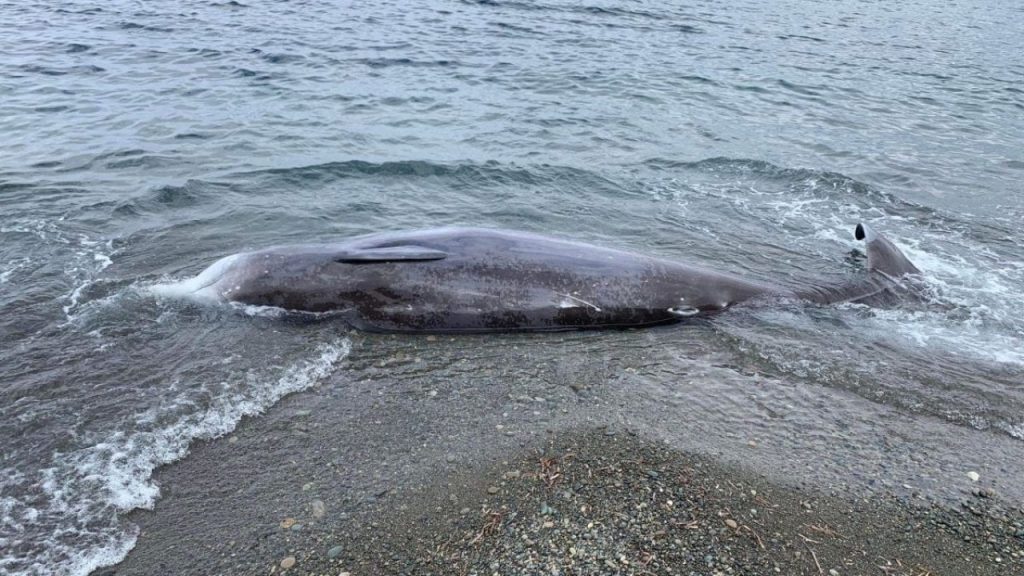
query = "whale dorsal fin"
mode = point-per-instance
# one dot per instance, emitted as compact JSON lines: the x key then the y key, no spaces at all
{"x":388,"y":254}
{"x":883,"y":255}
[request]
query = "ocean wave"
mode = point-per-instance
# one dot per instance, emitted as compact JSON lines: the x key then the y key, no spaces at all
{"x":74,"y":525}
{"x":489,"y":171}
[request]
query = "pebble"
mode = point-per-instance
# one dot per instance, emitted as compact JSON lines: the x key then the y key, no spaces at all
{"x":492,"y":489}
{"x":974,"y":476}
{"x":319,"y":508}
{"x":296,"y":527}
{"x":287,"y":523}
{"x":731,"y":523}
{"x":334,"y":552}
{"x":986,"y":493}
{"x":833,"y":572}
{"x":288,"y":562}
{"x":449,"y":458}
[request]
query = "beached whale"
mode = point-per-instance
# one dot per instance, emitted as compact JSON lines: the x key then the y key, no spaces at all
{"x":480,"y":280}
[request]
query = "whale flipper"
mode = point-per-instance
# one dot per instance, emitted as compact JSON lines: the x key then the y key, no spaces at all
{"x":883,"y":255}
{"x":409,"y":253}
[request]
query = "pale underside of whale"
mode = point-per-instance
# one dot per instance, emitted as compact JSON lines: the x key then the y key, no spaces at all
{"x":481,"y":280}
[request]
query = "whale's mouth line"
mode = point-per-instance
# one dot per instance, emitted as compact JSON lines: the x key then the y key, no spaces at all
{"x":204,"y":286}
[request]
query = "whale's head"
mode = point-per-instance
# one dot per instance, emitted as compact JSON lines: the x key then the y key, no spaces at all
{"x":279,"y":277}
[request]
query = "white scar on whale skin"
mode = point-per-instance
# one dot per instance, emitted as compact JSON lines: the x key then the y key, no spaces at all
{"x":683,"y":312}
{"x":581,"y":301}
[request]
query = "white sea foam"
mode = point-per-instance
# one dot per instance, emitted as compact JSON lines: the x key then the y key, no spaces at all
{"x":86,"y":489}
{"x":968,"y":337}
{"x":13,"y":266}
{"x":1015,"y":430}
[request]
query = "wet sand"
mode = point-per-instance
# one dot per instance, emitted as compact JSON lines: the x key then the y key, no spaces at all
{"x":398,"y":472}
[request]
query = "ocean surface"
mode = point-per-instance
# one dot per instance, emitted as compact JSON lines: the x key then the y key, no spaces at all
{"x":141,"y":141}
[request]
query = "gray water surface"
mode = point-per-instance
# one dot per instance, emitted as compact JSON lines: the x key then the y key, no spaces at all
{"x":141,"y":141}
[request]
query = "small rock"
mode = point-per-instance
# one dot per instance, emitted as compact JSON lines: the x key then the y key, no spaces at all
{"x":288,"y":562}
{"x":833,"y":572}
{"x":464,"y":511}
{"x":319,"y":508}
{"x":752,"y":443}
{"x":334,"y":552}
{"x":431,"y":338}
{"x":307,"y":486}
{"x":287,"y":523}
{"x":233,"y":440}
{"x":492,"y":489}
{"x":731,"y":523}
{"x":296,"y":527}
{"x":974,"y":476}
{"x":449,"y":458}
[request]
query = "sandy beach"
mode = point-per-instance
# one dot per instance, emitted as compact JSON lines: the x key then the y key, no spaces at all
{"x":387,"y":476}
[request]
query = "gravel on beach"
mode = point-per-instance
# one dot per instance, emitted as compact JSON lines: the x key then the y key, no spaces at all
{"x":596,"y":503}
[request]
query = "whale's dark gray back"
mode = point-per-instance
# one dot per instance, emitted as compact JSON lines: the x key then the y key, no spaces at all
{"x":476,"y":280}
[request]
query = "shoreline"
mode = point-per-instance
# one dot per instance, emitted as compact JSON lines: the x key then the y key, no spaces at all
{"x":576,"y":501}
{"x":416,"y":460}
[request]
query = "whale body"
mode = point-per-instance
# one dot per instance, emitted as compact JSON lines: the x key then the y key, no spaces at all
{"x":481,"y":280}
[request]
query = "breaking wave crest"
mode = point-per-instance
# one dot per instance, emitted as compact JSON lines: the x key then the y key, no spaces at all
{"x":66,"y":519}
